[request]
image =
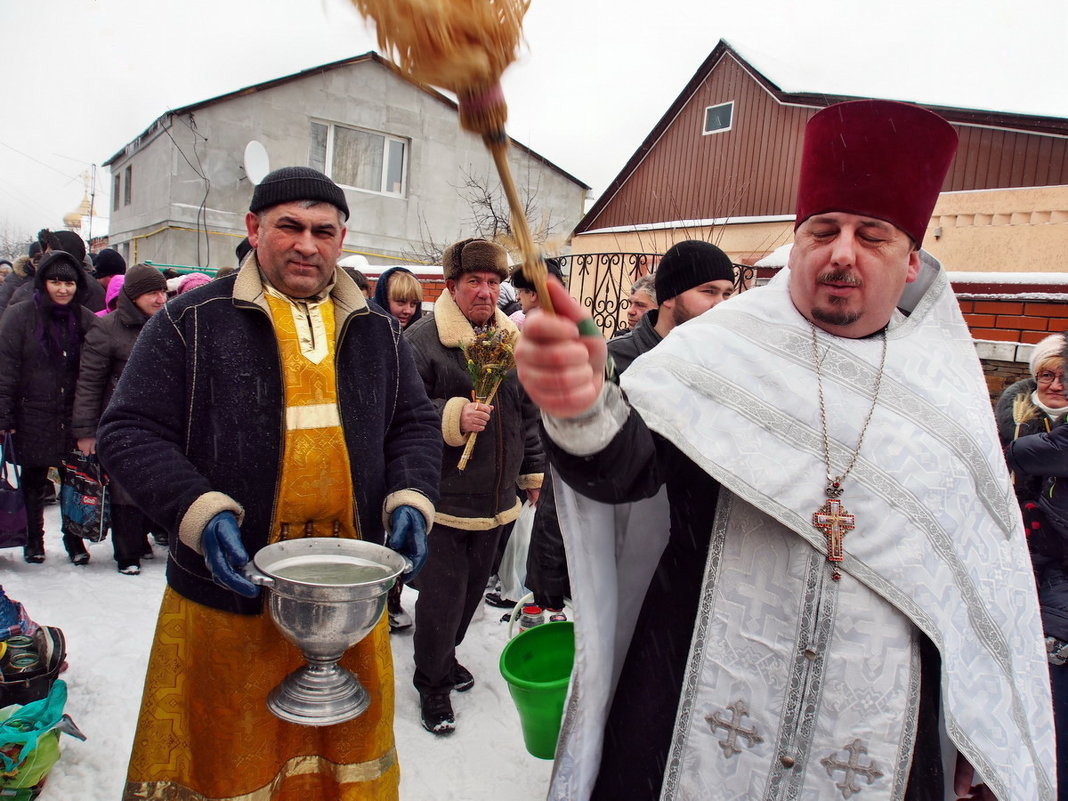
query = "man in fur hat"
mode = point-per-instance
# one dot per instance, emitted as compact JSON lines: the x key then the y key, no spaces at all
{"x":827,"y":592}
{"x":478,"y":501}
{"x":274,"y":403}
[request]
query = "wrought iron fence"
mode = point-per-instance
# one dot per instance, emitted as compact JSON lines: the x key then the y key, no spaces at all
{"x":601,"y":282}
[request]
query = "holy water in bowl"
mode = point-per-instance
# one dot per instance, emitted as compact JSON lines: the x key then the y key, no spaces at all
{"x":332,"y":572}
{"x":324,"y":595}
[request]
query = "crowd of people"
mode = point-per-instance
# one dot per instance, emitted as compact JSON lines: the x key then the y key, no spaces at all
{"x":786,"y":522}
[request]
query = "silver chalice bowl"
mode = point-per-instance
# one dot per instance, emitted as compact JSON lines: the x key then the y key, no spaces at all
{"x":325,"y":595}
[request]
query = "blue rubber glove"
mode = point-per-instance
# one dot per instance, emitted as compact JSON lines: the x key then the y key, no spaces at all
{"x":225,"y":555}
{"x":408,"y":537}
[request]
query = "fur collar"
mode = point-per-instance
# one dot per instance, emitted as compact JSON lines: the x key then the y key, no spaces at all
{"x":22,"y":267}
{"x":455,"y":330}
{"x":248,"y":286}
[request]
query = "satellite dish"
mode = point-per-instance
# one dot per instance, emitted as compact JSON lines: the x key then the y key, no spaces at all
{"x":257,"y":164}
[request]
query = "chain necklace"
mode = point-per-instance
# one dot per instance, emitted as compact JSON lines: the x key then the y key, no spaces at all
{"x":832,"y":519}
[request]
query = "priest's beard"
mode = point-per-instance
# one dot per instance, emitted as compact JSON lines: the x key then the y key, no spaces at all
{"x":830,"y":314}
{"x":834,"y":316}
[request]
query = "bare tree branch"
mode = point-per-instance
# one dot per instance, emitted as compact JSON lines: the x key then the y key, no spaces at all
{"x":14,"y":241}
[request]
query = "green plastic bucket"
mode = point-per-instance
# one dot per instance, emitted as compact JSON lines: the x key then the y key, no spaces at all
{"x":537,"y":666}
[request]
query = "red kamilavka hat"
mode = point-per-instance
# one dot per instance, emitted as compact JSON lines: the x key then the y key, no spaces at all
{"x":876,"y":158}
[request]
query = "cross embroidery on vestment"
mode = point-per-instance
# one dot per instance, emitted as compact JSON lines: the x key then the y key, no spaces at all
{"x":734,"y":728}
{"x":851,"y":768}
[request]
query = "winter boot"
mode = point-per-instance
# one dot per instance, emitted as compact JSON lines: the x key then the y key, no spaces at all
{"x":34,"y":551}
{"x":435,"y":709}
{"x":462,"y":680}
{"x":76,"y":550}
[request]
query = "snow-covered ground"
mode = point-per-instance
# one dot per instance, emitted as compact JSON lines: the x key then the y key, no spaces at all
{"x":109,"y":619}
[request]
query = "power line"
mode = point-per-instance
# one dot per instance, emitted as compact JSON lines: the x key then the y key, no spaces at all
{"x":38,"y":161}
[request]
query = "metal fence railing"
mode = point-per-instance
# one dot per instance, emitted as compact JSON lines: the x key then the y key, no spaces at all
{"x":601,"y":282}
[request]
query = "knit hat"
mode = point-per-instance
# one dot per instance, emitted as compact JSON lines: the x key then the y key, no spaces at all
{"x":192,"y":281}
{"x":519,"y":281}
{"x":141,"y":279}
{"x":474,"y":255}
{"x":291,"y":184}
{"x":875,"y":158}
{"x":1048,"y":348}
{"x":109,"y":262}
{"x":59,"y":266}
{"x":70,"y":242}
{"x":688,"y":264}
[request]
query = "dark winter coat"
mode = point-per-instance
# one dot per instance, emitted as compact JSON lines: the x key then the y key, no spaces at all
{"x":625,"y":348}
{"x":1046,"y":455}
{"x":1036,"y":448}
{"x":21,"y":273}
{"x":506,"y":455}
{"x":1017,"y":416}
{"x":105,"y":352}
{"x":381,"y":296}
{"x":198,"y":420}
{"x":36,"y":387}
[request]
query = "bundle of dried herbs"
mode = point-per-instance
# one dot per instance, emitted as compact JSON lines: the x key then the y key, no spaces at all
{"x":489,"y":356}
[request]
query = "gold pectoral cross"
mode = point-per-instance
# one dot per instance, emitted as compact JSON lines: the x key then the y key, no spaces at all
{"x":834,"y":521}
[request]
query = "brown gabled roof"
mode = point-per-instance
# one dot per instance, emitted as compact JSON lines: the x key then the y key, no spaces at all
{"x":333,"y":65}
{"x":1029,"y":123}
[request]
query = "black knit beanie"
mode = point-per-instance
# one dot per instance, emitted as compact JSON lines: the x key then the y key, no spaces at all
{"x":519,"y":281}
{"x":291,"y":184}
{"x":72,"y":243}
{"x":141,"y":279}
{"x":689,"y":264}
{"x":58,"y":266}
{"x":109,"y":262}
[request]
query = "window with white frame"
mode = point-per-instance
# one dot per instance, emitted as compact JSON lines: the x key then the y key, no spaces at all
{"x":719,"y":118}
{"x":362,"y":159}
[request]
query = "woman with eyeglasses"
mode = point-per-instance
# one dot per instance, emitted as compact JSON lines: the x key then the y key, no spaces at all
{"x":1034,"y":405}
{"x":1030,"y":417}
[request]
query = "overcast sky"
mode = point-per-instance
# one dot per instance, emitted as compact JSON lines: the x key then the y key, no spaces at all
{"x":81,"y":78}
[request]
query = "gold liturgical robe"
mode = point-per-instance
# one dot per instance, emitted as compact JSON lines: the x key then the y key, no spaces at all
{"x":204,"y":731}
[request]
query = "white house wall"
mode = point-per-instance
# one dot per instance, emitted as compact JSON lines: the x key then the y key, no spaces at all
{"x":168,"y":192}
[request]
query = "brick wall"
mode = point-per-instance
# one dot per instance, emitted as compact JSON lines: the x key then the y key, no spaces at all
{"x":1007,"y":320}
{"x":433,"y":285}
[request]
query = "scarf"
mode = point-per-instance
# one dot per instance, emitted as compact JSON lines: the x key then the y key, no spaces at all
{"x":59,"y":328}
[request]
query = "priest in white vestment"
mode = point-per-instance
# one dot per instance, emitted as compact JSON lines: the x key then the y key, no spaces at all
{"x":826,"y":592}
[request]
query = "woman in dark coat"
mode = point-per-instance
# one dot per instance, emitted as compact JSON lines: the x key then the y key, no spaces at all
{"x":1031,"y":406}
{"x":403,"y":298}
{"x":399,"y":292}
{"x":40,"y":347}
{"x":105,"y":352}
{"x":1031,"y":416}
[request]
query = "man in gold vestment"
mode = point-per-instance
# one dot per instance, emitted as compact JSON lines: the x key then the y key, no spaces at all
{"x":273,"y":403}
